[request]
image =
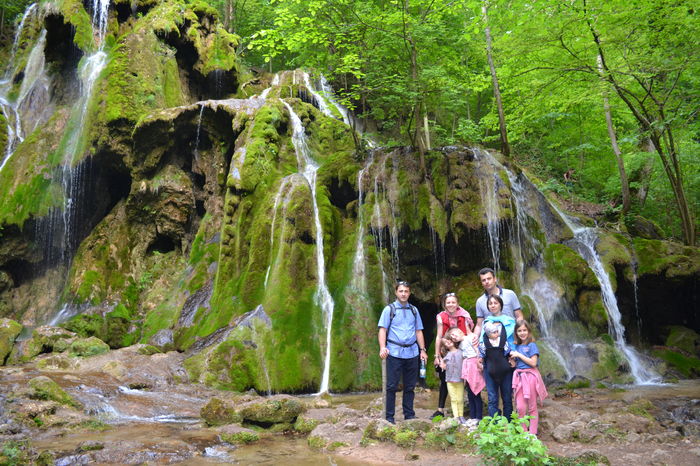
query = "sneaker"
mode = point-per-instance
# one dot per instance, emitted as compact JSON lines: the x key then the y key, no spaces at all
{"x":390,"y":421}
{"x":436,"y":414}
{"x":462,"y":420}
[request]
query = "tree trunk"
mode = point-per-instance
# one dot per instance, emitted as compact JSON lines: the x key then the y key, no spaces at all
{"x":654,"y":122}
{"x":505,"y":147}
{"x":615,"y":147}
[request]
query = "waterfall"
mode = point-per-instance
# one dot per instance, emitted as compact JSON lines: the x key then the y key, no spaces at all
{"x":199,"y":129}
{"x":322,"y":105}
{"x":31,"y":101}
{"x":278,"y":197}
{"x":275,"y":82}
{"x":328,"y":94}
{"x":15,"y":42}
{"x":359,"y":278}
{"x":527,"y":251}
{"x":488,"y":187}
{"x":308,"y":168}
{"x":584,"y":242}
{"x":378,"y":223}
{"x":100,"y":16}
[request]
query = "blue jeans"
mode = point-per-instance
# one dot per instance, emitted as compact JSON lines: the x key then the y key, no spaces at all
{"x":476,"y":405}
{"x":506,"y":393}
{"x":396,"y":368}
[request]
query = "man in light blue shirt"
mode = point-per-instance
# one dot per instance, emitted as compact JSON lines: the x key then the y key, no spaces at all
{"x":401,"y":343}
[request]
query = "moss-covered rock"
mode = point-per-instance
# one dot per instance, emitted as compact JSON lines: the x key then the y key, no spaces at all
{"x":85,"y":347}
{"x":9,"y":329}
{"x":305,"y":424}
{"x":43,"y":388}
{"x":688,"y":365}
{"x":666,"y":259}
{"x":219,"y":412}
{"x":275,"y":410}
{"x":611,"y":364}
{"x":683,"y":338}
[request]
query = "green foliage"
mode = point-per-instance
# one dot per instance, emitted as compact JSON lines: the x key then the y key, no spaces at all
{"x":505,"y":443}
{"x":14,"y":453}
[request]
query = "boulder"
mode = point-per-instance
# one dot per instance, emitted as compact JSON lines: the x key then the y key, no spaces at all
{"x":9,"y":329}
{"x":44,"y":388}
{"x":275,"y":410}
{"x":219,"y":412}
{"x":88,"y":347}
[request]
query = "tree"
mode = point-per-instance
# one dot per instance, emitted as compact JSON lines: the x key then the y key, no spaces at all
{"x":505,"y":147}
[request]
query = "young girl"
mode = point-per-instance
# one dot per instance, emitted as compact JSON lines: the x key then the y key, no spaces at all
{"x":471,"y":371}
{"x":527,"y":381}
{"x":452,"y":365}
{"x":498,"y":374}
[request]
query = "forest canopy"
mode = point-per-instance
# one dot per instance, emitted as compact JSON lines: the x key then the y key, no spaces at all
{"x":602,"y":91}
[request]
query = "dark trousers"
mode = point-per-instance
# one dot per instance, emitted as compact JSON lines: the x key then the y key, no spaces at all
{"x":442,"y":397}
{"x":397,"y":368}
{"x":476,"y":405}
{"x":505,"y":389}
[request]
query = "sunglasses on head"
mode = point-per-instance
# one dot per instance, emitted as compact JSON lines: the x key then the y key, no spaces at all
{"x":402,"y":283}
{"x":449,"y":295}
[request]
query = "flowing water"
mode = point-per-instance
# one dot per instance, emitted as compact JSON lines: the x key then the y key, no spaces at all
{"x":278,"y":197}
{"x":308,"y":168}
{"x":31,"y":102}
{"x":584,"y":242}
{"x":199,"y":129}
{"x":359,"y":272}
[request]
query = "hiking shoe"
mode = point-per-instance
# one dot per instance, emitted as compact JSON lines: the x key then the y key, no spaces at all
{"x":436,"y":414}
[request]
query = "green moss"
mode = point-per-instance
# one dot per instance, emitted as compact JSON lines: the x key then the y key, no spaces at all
{"x":241,"y":438}
{"x":683,"y":338}
{"x":85,"y":347}
{"x":316,"y":442}
{"x":689,"y":366}
{"x":406,"y":438}
{"x":74,"y":13}
{"x":9,"y":329}
{"x":610,"y":364}
{"x":641,"y":407}
{"x":567,"y":267}
{"x":666,"y":259}
{"x":43,"y":388}
{"x":304,"y":424}
{"x":218,"y":412}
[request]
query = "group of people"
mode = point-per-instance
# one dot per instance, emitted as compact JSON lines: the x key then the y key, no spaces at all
{"x":497,"y":353}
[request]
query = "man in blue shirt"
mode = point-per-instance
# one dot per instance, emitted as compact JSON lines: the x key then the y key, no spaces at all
{"x":401,"y":343}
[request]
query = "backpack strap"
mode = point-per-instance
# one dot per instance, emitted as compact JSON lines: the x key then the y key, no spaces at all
{"x":392,"y":314}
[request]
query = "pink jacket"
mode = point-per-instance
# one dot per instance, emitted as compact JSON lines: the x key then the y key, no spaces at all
{"x":528,"y":380}
{"x":473,"y":375}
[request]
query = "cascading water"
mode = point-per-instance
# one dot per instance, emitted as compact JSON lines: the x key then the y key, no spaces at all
{"x":328,"y":94}
{"x":488,"y":187}
{"x":15,"y":43}
{"x":308,"y":168}
{"x":527,"y":252}
{"x":359,"y":279}
{"x":29,"y":104}
{"x":199,"y":129}
{"x":278,"y":197}
{"x":584,"y":242}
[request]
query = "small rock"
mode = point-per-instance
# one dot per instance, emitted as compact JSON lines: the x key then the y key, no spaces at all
{"x":695,"y":451}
